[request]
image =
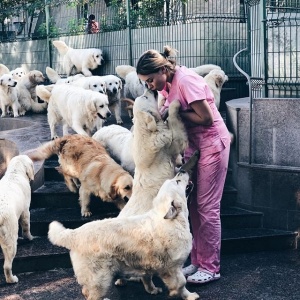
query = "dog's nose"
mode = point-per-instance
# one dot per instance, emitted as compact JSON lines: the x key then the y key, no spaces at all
{"x":126,"y":198}
{"x":108,"y":115}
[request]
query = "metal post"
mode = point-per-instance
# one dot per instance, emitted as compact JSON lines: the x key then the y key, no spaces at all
{"x":47,"y":12}
{"x":129,"y":42}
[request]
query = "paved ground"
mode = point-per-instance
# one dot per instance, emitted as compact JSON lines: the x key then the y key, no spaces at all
{"x":261,"y":275}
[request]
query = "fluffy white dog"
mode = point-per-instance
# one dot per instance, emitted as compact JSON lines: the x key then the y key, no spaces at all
{"x":8,"y":95}
{"x":74,"y":107}
{"x":157,"y":242}
{"x":118,"y":142}
{"x":83,"y":60}
{"x":27,"y":97}
{"x":215,"y":80}
{"x":113,"y":91}
{"x":15,"y":197}
{"x":18,"y":73}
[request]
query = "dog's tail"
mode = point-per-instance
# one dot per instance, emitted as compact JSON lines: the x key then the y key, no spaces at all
{"x":205,"y":69}
{"x":123,"y":70}
{"x":38,"y":107}
{"x":61,"y":47}
{"x":52,"y":75}
{"x":59,"y":235}
{"x":44,"y":92}
{"x":46,"y":150}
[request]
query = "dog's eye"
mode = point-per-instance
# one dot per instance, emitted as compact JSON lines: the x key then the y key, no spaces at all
{"x":97,"y":56}
{"x":127,"y":187}
{"x":177,"y":181}
{"x":102,"y":84}
{"x":110,"y":83}
{"x":101,"y":106}
{"x":95,"y":85}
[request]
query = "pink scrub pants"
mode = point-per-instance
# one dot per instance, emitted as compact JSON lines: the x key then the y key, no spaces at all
{"x":204,"y":209}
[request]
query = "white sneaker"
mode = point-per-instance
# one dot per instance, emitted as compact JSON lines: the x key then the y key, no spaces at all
{"x":203,"y":276}
{"x":189,"y":270}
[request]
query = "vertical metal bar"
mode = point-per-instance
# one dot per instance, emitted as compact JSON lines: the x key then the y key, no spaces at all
{"x":129,"y":41}
{"x":265,"y":48}
{"x":47,"y":12}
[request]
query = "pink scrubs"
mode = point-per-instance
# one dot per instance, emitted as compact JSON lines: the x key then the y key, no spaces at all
{"x":209,"y":178}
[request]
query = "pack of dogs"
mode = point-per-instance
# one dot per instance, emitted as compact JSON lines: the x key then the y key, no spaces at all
{"x":139,"y":170}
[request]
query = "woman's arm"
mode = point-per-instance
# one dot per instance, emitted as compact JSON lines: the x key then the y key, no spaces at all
{"x":200,"y":115}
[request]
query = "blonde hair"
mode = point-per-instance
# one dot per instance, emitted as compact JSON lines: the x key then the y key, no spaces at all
{"x":152,"y":61}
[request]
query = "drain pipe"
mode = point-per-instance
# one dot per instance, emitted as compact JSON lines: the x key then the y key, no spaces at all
{"x":251,"y":102}
{"x":47,"y":13}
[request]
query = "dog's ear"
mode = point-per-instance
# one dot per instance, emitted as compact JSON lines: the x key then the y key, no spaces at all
{"x":30,"y":171}
{"x":173,"y":211}
{"x":91,"y":105}
{"x":113,"y":192}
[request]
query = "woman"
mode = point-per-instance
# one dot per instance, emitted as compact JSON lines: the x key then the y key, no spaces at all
{"x":92,"y":26}
{"x":207,"y":132}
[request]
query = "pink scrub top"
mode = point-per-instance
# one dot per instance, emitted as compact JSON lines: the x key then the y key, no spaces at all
{"x":187,"y":87}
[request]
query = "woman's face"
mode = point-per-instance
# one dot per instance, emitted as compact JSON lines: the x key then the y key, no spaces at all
{"x":155,"y":81}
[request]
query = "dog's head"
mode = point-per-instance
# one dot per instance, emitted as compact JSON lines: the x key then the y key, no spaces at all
{"x":218,"y":77}
{"x":18,"y":73}
{"x":113,"y":84}
{"x":171,"y":198}
{"x":97,"y":57}
{"x":22,"y":163}
{"x":97,"y":106}
{"x":96,"y":84}
{"x":7,"y":80}
{"x":121,"y":189}
{"x":36,"y":77}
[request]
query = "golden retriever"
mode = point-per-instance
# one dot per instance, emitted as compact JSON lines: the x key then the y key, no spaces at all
{"x":15,"y":197}
{"x":157,"y":242}
{"x":84,"y":159}
{"x":82,"y":60}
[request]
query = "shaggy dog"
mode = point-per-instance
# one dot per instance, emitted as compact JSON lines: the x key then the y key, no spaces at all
{"x":27,"y":97}
{"x":15,"y":197}
{"x":8,"y":95}
{"x":118,"y":141}
{"x":156,"y":145}
{"x":54,"y":77}
{"x":113,"y":91}
{"x":215,"y":80}
{"x":84,"y":159}
{"x":157,"y":242}
{"x":18,"y":73}
{"x":83,"y":60}
{"x":75,"y":107}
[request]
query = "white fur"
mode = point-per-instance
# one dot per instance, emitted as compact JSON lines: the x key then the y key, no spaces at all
{"x":83,"y":60}
{"x":3,"y":69}
{"x":18,"y":73}
{"x":205,"y":69}
{"x":215,"y":80}
{"x":27,"y":97}
{"x":15,"y":197}
{"x":8,"y":95}
{"x":54,"y":77}
{"x":157,"y":242}
{"x":93,"y":83}
{"x":74,"y":107}
{"x":118,"y":142}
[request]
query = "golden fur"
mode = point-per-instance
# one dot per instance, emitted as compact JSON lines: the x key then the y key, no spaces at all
{"x":84,"y":159}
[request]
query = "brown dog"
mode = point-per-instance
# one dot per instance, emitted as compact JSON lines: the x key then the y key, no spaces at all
{"x":85,"y":160}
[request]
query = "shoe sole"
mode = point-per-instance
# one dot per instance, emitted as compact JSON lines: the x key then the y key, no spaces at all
{"x":203,"y":282}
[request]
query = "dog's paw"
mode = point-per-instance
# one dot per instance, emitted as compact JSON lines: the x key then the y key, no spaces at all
{"x":192,"y":296}
{"x":12,"y":279}
{"x":156,"y":290}
{"x":86,"y":213}
{"x":120,"y":282}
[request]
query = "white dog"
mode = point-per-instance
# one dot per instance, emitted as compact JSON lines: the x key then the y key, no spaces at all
{"x":8,"y":95}
{"x":83,"y":60}
{"x":215,"y":80}
{"x":113,"y":91}
{"x":15,"y":197}
{"x":74,"y":107}
{"x":118,"y":142}
{"x":27,"y":97}
{"x":157,"y":242}
{"x":18,"y":73}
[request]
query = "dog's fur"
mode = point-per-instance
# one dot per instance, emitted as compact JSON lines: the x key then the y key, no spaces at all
{"x":54,"y":77}
{"x":3,"y":69}
{"x":84,"y":159}
{"x":118,"y":142}
{"x":8,"y":95}
{"x":83,"y":60}
{"x":27,"y":97}
{"x":156,"y":145}
{"x":18,"y":73}
{"x":75,"y":107}
{"x":15,"y":197}
{"x":157,"y":242}
{"x":93,"y":83}
{"x":215,"y":80}
{"x":203,"y":70}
